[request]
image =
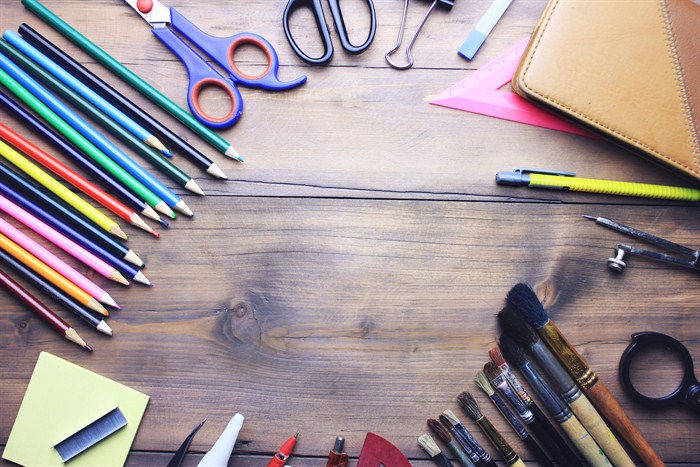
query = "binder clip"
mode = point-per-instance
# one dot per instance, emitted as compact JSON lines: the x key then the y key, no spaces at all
{"x":447,"y":4}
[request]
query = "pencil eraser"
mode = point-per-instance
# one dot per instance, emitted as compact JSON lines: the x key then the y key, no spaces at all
{"x":474,"y":41}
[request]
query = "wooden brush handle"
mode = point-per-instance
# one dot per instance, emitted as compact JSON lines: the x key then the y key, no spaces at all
{"x":604,"y":400}
{"x":591,"y":419}
{"x":518,"y":463}
{"x":584,"y":443}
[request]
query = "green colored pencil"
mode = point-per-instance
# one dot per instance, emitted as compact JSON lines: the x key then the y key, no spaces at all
{"x":155,"y":158}
{"x":83,"y":144}
{"x":131,"y":78}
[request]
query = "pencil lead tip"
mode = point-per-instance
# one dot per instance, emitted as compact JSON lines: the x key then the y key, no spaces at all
{"x":87,"y":347}
{"x":589,"y":217}
{"x":166,"y":152}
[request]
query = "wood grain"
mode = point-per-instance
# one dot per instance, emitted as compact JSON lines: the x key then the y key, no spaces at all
{"x":347,"y":277}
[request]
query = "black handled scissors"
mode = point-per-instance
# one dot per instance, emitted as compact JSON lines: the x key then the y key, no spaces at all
{"x":315,"y":7}
{"x":687,"y":392}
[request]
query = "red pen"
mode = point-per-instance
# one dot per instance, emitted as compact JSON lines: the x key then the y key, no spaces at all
{"x":280,"y":458}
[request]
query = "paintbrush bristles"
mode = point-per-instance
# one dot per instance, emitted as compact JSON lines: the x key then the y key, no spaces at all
{"x":496,"y":356}
{"x":492,"y":371}
{"x":524,"y":300}
{"x":516,"y":327}
{"x":483,"y":382}
{"x":450,"y":417}
{"x":470,"y":406}
{"x":512,"y":351}
{"x":440,"y":431}
{"x":429,"y":445}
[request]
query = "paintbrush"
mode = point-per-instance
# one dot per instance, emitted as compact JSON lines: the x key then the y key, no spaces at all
{"x":525,"y":301}
{"x":444,"y":435}
{"x":563,"y":451}
{"x":428,"y":444}
{"x":465,"y":439}
{"x":482,"y":381}
{"x":557,"y":408}
{"x":471,"y":407}
{"x":536,"y":425}
{"x":516,"y":327}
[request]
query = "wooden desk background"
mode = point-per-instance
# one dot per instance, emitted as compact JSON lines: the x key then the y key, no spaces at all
{"x":346,"y":278}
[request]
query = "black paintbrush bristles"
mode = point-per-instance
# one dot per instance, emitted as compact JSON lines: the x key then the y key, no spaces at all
{"x":492,"y":371}
{"x":512,"y":351}
{"x":524,"y":300}
{"x":516,"y":327}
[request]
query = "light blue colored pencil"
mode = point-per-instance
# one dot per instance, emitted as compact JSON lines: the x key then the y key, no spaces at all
{"x":78,"y":86}
{"x":94,"y":136}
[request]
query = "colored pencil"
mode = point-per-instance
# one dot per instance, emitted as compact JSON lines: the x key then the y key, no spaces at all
{"x":94,"y":136}
{"x":83,"y":104}
{"x":60,"y":266}
{"x":66,"y":301}
{"x":124,"y":120}
{"x":51,"y":275}
{"x":40,"y":309}
{"x":70,"y":223}
{"x":74,"y":178}
{"x":60,"y":190}
{"x":73,"y":153}
{"x":86,"y":146}
{"x":61,"y":241}
{"x":108,"y":92}
{"x":131,"y":78}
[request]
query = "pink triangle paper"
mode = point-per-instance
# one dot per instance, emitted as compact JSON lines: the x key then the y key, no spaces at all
{"x":480,"y":93}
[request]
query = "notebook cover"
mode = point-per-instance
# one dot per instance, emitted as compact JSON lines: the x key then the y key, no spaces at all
{"x":626,"y":69}
{"x":63,"y":398}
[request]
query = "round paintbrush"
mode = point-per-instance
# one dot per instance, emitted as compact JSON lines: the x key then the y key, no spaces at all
{"x":471,"y":407}
{"x":482,"y":381}
{"x":516,"y":327}
{"x":428,"y":444}
{"x":466,"y":440}
{"x":557,"y":408}
{"x":444,"y":435}
{"x":524,"y":300}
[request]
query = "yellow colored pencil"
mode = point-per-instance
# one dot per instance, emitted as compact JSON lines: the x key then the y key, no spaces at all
{"x":60,"y":190}
{"x":50,"y":274}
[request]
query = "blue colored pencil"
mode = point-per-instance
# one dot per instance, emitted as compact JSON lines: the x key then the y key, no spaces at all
{"x":122,"y":191}
{"x":73,"y":225}
{"x":94,"y":136}
{"x":123,"y":119}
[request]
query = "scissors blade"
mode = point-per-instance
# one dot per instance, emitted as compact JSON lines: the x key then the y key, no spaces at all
{"x":155,"y":13}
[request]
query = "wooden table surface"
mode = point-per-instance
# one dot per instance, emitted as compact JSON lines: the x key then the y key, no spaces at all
{"x":346,"y":278}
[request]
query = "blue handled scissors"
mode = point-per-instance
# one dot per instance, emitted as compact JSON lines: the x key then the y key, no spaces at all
{"x":221,"y":50}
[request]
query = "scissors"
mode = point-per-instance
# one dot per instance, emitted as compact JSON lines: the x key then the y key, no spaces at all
{"x":221,"y":50}
{"x":315,"y":7}
{"x":687,"y":392}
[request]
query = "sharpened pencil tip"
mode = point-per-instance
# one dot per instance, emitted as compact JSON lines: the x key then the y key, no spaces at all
{"x":87,"y":347}
{"x":140,"y":277}
{"x":215,"y":171}
{"x":233,"y":154}
{"x":590,"y":217}
{"x":166,"y":152}
{"x":183,"y":208}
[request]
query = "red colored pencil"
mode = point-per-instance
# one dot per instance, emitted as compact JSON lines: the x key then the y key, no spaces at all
{"x":74,"y":178}
{"x":40,"y":309}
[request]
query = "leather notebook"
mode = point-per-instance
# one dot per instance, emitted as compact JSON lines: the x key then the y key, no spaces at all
{"x":628,"y":70}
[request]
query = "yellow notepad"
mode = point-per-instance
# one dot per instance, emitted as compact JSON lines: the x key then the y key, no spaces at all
{"x":61,"y":399}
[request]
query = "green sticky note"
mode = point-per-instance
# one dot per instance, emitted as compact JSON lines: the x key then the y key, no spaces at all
{"x":63,"y":398}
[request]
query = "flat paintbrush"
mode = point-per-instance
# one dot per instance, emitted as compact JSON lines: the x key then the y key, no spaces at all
{"x":465,"y":439}
{"x":536,"y":425}
{"x":516,"y":327}
{"x":524,"y":299}
{"x":553,"y":403}
{"x":561,"y":449}
{"x":471,"y":407}
{"x":444,"y":435}
{"x":482,"y":381}
{"x":428,"y":444}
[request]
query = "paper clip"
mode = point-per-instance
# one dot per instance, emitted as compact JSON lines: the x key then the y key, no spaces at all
{"x":448,"y":4}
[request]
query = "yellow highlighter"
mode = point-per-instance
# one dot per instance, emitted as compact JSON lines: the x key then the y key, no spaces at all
{"x":555,"y":180}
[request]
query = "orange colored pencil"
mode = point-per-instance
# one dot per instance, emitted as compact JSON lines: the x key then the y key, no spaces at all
{"x":74,"y":178}
{"x":50,"y":274}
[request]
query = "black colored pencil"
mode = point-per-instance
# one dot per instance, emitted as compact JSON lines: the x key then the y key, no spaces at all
{"x":118,"y":99}
{"x":68,"y":302}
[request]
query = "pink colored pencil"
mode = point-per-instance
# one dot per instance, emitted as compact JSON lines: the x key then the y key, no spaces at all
{"x":56,"y":263}
{"x":61,"y":241}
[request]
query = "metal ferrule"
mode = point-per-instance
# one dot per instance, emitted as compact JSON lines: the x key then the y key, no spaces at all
{"x":565,"y":352}
{"x":518,"y":405}
{"x":556,"y":407}
{"x":501,"y":444}
{"x":558,"y":376}
{"x":508,"y":415}
{"x":515,"y":384}
{"x":473,"y":443}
